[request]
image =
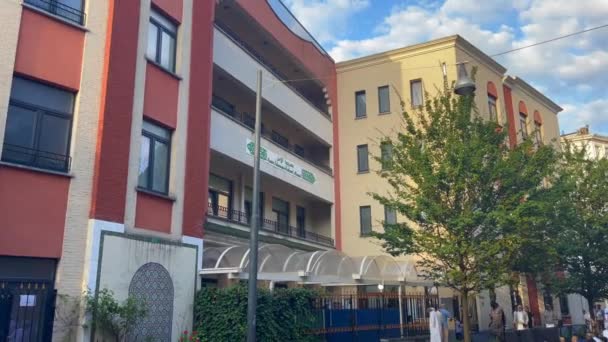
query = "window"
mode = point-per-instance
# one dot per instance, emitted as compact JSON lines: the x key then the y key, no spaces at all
{"x":67,"y":9}
{"x":154,"y":158}
{"x":390,"y":215}
{"x":360,"y":104}
{"x":279,"y":139}
{"x":416,"y":93}
{"x":249,"y":204}
{"x":365,"y":219}
{"x":523,"y":127}
{"x":492,"y":107}
{"x":162,"y":34}
{"x":384,"y":105}
{"x":386,"y":155}
{"x":38,"y":126}
{"x":299,"y":150}
{"x":547,"y":297}
{"x":538,"y":139}
{"x":223,"y":105}
{"x":220,"y":196}
{"x":362,"y":159}
{"x":301,"y":221}
{"x":280,"y":209}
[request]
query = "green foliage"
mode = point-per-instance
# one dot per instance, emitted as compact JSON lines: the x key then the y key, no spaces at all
{"x":580,"y":225}
{"x":282,"y":315}
{"x":112,"y":317}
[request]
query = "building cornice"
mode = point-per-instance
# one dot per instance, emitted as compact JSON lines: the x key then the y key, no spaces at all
{"x":477,"y":53}
{"x":532,"y":92}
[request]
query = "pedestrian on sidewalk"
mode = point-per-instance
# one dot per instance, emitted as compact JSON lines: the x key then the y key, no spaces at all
{"x":530,"y":317}
{"x":520,"y":318}
{"x":497,"y":322}
{"x":445,"y":315}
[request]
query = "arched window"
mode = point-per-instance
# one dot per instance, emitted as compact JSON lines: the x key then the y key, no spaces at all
{"x":538,"y":122}
{"x":523,"y":120}
{"x":152,"y":285}
{"x":492,"y":100}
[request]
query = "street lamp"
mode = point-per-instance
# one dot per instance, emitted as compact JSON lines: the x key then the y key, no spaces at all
{"x":464,"y":85}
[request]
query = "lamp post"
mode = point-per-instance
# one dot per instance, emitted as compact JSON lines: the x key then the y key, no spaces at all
{"x":464,"y":85}
{"x":252,"y":293}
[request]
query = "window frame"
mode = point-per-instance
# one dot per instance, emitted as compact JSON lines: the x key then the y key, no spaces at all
{"x":364,"y":114}
{"x":216,"y":192}
{"x":388,"y":211}
{"x":153,"y":138}
{"x":412,"y":82}
{"x":388,"y":100}
{"x":301,"y":220}
{"x":361,"y":231}
{"x":279,"y":227}
{"x":386,"y":155}
{"x":493,"y":104}
{"x":160,"y":28}
{"x":538,"y":136}
{"x":523,"y":125}
{"x":55,"y":4}
{"x":359,"y":149}
{"x":41,"y":112}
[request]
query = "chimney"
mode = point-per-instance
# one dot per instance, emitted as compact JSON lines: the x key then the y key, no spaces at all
{"x":584,"y":130}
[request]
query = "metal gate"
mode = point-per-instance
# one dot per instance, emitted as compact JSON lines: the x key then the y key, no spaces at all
{"x":26,"y":311}
{"x":372,"y":316}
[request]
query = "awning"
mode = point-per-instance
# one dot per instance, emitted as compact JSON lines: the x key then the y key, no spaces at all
{"x":327,"y":267}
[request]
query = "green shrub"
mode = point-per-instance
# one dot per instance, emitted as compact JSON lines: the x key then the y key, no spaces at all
{"x":282,"y":315}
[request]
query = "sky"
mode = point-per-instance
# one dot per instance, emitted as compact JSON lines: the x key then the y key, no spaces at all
{"x":573,"y":72}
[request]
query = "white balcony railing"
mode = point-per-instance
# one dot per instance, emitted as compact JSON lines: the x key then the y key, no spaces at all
{"x":234,"y":140}
{"x":232,"y":58}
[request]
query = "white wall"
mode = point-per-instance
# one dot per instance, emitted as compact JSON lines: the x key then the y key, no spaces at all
{"x":230,"y":138}
{"x":240,"y":65}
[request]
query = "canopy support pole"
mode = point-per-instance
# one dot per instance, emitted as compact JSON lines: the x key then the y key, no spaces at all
{"x":400,"y":310}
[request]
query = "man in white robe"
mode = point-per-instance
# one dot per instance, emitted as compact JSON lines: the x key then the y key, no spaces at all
{"x":435,"y":318}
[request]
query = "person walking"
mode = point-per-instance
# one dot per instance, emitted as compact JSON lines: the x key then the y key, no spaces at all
{"x":550,"y":317}
{"x":435,"y":325}
{"x":599,"y":318}
{"x":497,"y":322}
{"x":445,"y":316}
{"x":520,"y":318}
{"x":588,"y":321}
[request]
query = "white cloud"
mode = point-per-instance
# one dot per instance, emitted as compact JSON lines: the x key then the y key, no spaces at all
{"x":325,"y":18}
{"x":594,"y":114}
{"x":572,"y":71}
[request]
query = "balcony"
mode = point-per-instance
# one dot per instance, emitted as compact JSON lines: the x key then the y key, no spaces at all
{"x":242,"y":218}
{"x":59,"y":9}
{"x":34,"y":158}
{"x":242,"y":64}
{"x":231,"y":135}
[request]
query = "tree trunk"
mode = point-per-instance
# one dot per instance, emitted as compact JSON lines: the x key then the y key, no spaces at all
{"x":466,"y":322}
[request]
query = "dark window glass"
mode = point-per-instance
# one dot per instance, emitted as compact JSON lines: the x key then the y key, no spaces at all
{"x":390,"y":216}
{"x":220,"y":196}
{"x":563,"y":305}
{"x":154,"y":158}
{"x":299,"y":150}
{"x":162,"y":34}
{"x":384,"y":105}
{"x":386,"y":155}
{"x":547,"y":297}
{"x":301,"y":221}
{"x":38,"y":125}
{"x":360,"y":104}
{"x":223,"y":105}
{"x":492,"y":108}
{"x":523,"y":126}
{"x":67,"y":9}
{"x":362,"y":158}
{"x":280,"y":209}
{"x":365,"y":219}
{"x":416,"y":93}
{"x":279,"y":139}
{"x":249,"y":203}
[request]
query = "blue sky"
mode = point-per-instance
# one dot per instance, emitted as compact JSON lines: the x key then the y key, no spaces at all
{"x":572,"y":72}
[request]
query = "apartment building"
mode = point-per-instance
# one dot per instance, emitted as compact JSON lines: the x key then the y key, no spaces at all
{"x":596,"y":145}
{"x":127,"y":139}
{"x":370,"y":90}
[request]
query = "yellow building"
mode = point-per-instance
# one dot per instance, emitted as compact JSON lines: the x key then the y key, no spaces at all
{"x":596,"y":144}
{"x":370,"y":89}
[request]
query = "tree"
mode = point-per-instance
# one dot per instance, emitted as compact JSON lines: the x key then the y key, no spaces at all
{"x":112,"y":317}
{"x":463,"y":192}
{"x":581,"y":225}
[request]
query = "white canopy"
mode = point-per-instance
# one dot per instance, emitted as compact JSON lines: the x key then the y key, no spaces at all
{"x":326,"y":267}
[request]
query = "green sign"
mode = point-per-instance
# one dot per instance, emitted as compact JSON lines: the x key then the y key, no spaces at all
{"x":281,"y":163}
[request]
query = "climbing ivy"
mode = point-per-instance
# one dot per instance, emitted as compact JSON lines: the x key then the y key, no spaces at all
{"x":282,"y":315}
